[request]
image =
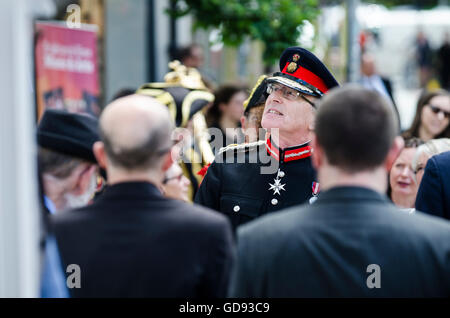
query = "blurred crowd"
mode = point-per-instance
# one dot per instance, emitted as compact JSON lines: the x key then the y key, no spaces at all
{"x":163,"y":195}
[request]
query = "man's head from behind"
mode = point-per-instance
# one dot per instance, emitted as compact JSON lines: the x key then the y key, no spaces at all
{"x":66,"y":160}
{"x":136,"y":140}
{"x":355,"y":133}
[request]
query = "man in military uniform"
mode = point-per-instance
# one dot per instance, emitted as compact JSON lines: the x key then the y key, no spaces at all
{"x":249,"y":180}
{"x":185,"y":94}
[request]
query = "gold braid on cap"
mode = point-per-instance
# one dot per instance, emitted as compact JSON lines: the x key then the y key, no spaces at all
{"x":258,"y":82}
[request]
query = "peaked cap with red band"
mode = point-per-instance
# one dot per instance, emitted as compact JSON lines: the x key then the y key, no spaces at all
{"x":303,"y":71}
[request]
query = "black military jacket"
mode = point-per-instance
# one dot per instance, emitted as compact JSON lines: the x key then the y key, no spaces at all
{"x":249,"y":180}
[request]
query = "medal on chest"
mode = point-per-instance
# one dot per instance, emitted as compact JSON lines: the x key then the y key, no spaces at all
{"x":315,"y":192}
{"x":277,"y":186}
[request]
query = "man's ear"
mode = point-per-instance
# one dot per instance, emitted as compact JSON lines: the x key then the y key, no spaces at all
{"x":222,"y":107}
{"x":84,"y":179}
{"x":100,"y":154}
{"x":243,"y":123}
{"x":167,"y":161}
{"x":317,"y":153}
{"x":394,"y":152}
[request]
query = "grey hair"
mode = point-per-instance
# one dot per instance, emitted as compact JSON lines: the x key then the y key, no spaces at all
{"x":431,"y":147}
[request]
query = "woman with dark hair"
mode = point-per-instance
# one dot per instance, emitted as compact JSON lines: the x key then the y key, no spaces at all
{"x":225,"y":113}
{"x":403,"y":187}
{"x":432,"y":116}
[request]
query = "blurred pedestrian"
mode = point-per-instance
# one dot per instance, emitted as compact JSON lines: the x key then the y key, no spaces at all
{"x":225,"y":114}
{"x":191,"y":56}
{"x":425,"y":152}
{"x":249,"y":180}
{"x":132,"y":241}
{"x":402,"y":183}
{"x":66,"y":160}
{"x":67,"y":169}
{"x":372,"y":80}
{"x":444,"y":62}
{"x":432,"y":116}
{"x":423,"y":58}
{"x":351,"y":242}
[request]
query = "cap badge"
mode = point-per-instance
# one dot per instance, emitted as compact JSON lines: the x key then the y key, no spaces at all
{"x":292,"y":67}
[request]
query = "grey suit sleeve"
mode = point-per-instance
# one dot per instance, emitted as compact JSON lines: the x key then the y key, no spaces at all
{"x":240,"y":275}
{"x":430,"y":193}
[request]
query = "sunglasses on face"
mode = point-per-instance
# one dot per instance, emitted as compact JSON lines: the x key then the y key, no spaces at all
{"x":438,"y":110}
{"x":287,"y":93}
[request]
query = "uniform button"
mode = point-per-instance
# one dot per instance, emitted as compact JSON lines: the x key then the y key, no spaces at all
{"x":236,"y":208}
{"x":281,"y":174}
{"x":274,"y":202}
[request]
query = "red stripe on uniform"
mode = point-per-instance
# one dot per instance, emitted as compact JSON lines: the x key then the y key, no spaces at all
{"x":307,"y":76}
{"x":303,"y":152}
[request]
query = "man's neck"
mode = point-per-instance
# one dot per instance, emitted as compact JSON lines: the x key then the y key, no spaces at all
{"x":291,"y":141}
{"x":331,"y":177}
{"x":120,"y":176}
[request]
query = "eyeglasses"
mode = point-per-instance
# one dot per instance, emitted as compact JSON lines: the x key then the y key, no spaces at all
{"x":177,"y":177}
{"x":438,"y":110}
{"x":287,"y":93}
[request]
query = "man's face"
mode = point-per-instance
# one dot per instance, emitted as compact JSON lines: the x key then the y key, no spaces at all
{"x":72,"y":200}
{"x":290,"y":115}
{"x":251,"y":123}
{"x":196,"y":58}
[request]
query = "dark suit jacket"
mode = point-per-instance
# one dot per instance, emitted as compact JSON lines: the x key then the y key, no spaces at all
{"x":133,"y":242}
{"x":388,"y":85}
{"x":433,"y":196}
{"x":324,"y":250}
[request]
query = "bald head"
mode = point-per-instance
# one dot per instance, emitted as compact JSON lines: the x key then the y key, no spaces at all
{"x":136,"y":132}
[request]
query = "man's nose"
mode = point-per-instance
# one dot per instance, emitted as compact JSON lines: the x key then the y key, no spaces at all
{"x":186,"y":181}
{"x":276,"y":96}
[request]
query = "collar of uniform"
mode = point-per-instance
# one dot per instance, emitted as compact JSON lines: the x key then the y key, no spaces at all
{"x":288,"y":154}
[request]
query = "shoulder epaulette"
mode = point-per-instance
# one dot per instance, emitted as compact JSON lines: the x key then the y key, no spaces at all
{"x":242,"y":147}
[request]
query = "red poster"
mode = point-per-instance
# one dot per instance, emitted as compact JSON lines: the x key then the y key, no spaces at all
{"x":66,"y":68}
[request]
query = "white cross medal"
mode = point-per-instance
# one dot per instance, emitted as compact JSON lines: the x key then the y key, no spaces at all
{"x":315,"y":192}
{"x":277,"y":186}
